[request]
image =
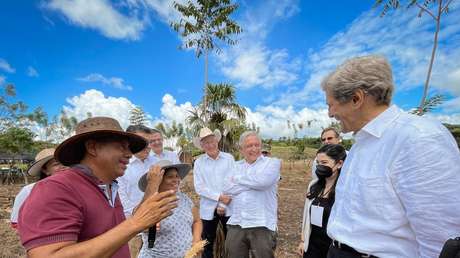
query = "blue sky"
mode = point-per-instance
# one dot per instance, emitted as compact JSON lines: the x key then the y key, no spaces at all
{"x":103,"y":57}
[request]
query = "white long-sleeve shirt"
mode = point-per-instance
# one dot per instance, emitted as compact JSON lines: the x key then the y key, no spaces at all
{"x":208,"y":177}
{"x":398,"y":193}
{"x":130,"y":194}
{"x":253,"y":188}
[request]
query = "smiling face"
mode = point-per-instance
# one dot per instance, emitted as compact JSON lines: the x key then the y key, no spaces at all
{"x":171,"y":180}
{"x":112,"y":157}
{"x":156,"y":143}
{"x":330,"y":137}
{"x":210,"y":145}
{"x":251,"y":148}
{"x":342,"y":112}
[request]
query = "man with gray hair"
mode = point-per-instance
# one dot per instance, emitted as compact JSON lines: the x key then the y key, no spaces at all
{"x":253,"y":186}
{"x":398,"y":193}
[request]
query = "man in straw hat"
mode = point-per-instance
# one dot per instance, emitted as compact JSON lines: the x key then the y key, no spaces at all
{"x":45,"y":165}
{"x":77,"y":213}
{"x":209,"y":172}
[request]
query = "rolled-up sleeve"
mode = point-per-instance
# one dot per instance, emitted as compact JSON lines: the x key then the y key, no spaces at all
{"x":50,"y":214}
{"x":426,"y":177}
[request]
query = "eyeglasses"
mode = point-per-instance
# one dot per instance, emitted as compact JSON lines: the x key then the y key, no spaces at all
{"x":328,"y":138}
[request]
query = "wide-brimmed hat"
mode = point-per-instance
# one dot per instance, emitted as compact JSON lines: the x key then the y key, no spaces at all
{"x":40,"y":160}
{"x":182,"y":170}
{"x":72,"y":150}
{"x":205,"y":132}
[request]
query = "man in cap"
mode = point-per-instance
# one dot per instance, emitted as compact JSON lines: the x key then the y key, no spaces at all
{"x":77,"y":213}
{"x":45,"y":165}
{"x":209,"y":172}
{"x":253,"y":185}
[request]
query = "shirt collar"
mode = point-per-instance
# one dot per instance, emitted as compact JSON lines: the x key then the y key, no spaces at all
{"x":260,"y":158}
{"x":377,"y":126}
{"x":89,"y":173}
{"x":218,"y":156}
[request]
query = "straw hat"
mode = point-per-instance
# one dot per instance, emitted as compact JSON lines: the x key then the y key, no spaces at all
{"x":40,"y":160}
{"x":71,"y":151}
{"x":182,"y":170}
{"x":205,"y":132}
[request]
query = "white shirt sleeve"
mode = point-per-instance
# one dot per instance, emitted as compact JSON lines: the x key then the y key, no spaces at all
{"x":123,"y":192}
{"x":200,"y":185}
{"x":19,"y":200}
{"x":424,"y":176}
{"x":263,"y":178}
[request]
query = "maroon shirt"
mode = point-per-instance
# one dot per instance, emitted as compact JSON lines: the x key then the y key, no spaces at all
{"x":68,"y":206}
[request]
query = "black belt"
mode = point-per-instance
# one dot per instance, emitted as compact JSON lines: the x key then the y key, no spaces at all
{"x":349,"y":249}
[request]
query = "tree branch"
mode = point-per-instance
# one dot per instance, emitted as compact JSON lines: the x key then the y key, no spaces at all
{"x":446,"y":6}
{"x":426,"y":10}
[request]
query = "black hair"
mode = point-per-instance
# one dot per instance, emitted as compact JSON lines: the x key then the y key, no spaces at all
{"x":139,"y":128}
{"x":337,"y":153}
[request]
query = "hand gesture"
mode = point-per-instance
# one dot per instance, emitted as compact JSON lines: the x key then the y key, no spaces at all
{"x":153,"y":209}
{"x":225,"y":199}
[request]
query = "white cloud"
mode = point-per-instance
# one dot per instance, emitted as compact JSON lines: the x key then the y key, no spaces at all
{"x":170,"y":111}
{"x":251,"y":63}
{"x":5,"y":66}
{"x":95,"y":102}
{"x":271,"y":120}
{"x":32,"y":72}
{"x":115,"y":82}
{"x":452,"y":105}
{"x":99,"y":15}
{"x":403,"y":38}
{"x":2,"y":79}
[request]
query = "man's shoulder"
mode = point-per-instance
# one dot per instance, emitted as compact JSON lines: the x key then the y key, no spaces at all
{"x":414,"y":126}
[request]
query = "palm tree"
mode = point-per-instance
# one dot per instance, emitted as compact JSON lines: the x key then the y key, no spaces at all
{"x":442,"y":7}
{"x":222,"y":112}
{"x":204,"y":22}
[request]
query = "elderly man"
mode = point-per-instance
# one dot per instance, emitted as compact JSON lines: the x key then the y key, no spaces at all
{"x":77,"y":213}
{"x":158,"y":153}
{"x":209,"y":172}
{"x":253,"y":187}
{"x":398,"y":193}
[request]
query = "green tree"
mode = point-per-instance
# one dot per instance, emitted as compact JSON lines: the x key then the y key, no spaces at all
{"x":203,"y":24}
{"x":222,"y":112}
{"x":429,"y":105}
{"x":441,"y":7}
{"x":137,"y":116}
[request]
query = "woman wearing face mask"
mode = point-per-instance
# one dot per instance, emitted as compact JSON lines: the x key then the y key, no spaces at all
{"x":320,"y":198}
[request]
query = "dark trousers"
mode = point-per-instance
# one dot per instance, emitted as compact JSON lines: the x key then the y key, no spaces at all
{"x":260,"y":241}
{"x":209,"y":233}
{"x":335,"y":252}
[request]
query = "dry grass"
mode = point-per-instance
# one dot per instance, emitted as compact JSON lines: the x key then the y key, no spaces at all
{"x":292,"y":189}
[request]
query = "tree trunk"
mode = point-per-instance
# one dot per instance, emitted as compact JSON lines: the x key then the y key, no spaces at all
{"x":205,"y":85}
{"x":433,"y":52}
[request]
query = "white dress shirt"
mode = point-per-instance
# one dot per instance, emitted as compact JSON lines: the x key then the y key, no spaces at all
{"x":253,"y":188}
{"x":209,"y":175}
{"x":398,"y":193}
{"x":130,"y":194}
{"x":165,"y":155}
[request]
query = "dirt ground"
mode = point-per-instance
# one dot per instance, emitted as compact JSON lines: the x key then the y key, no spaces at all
{"x":292,"y":189}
